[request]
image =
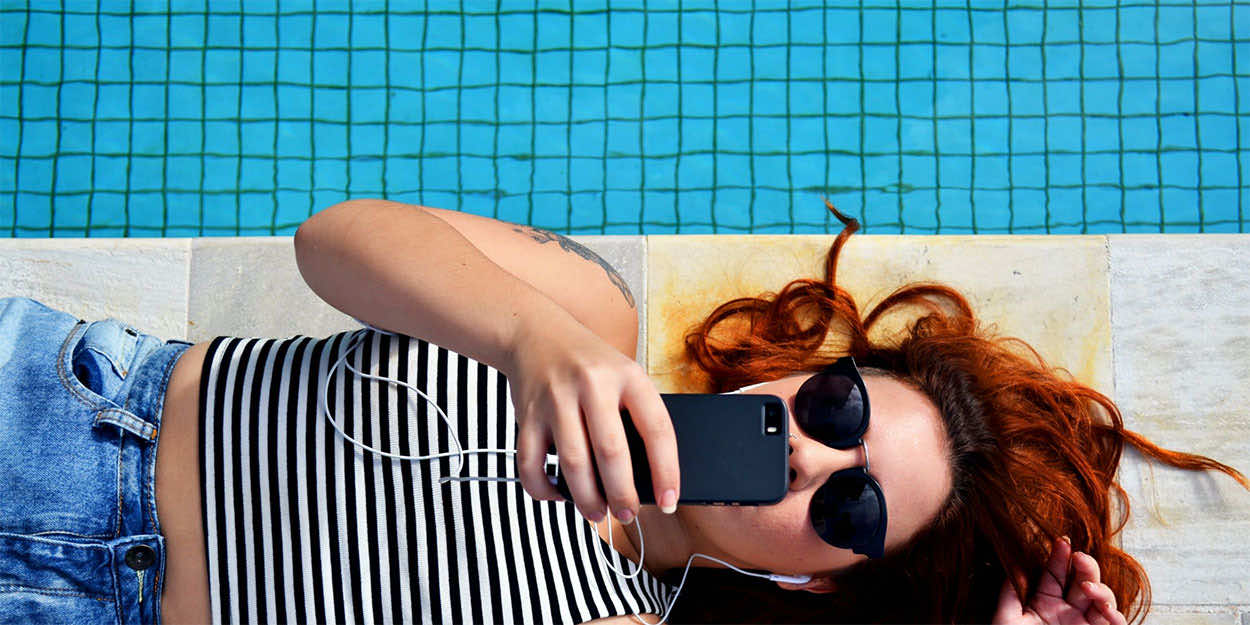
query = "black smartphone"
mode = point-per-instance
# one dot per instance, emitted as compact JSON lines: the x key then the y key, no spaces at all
{"x":732,"y":450}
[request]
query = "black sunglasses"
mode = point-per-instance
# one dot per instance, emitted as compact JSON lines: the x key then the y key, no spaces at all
{"x":848,"y":510}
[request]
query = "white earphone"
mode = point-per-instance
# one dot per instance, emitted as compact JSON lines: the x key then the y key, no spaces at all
{"x":642,"y":550}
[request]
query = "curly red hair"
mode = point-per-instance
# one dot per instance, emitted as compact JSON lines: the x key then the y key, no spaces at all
{"x":1033,"y":454}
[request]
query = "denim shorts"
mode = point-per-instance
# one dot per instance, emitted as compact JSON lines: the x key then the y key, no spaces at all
{"x":80,"y":415}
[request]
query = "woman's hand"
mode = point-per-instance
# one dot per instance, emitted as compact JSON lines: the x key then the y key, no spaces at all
{"x":1063,"y":598}
{"x":568,"y":386}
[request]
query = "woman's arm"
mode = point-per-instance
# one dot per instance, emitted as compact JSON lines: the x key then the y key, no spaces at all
{"x":409,"y":269}
{"x":404,"y":269}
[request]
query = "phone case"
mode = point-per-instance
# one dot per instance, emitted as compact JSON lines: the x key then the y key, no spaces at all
{"x":732,"y":450}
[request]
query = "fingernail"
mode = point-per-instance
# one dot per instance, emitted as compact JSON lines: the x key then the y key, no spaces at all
{"x":625,"y":515}
{"x":668,"y":503}
{"x":597,"y":517}
{"x":1066,"y":540}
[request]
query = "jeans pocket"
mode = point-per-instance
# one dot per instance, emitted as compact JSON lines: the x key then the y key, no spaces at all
{"x":100,"y":358}
{"x":96,"y":372}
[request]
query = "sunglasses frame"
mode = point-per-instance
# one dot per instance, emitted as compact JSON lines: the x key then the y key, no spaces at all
{"x":873,"y":545}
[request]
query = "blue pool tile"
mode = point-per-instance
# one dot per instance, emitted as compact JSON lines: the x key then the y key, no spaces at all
{"x":1141,"y":170}
{"x":990,"y":135}
{"x":955,"y":136}
{"x":918,"y":216}
{"x":1063,"y":210}
{"x":842,"y":62}
{"x":1063,"y":25}
{"x":1181,"y":212}
{"x":291,"y":207}
{"x":1102,"y":207}
{"x":1180,"y":168}
{"x":1028,"y":171}
{"x":694,"y":206}
{"x":915,"y":61}
{"x":1219,"y":209}
{"x":659,"y":172}
{"x":1101,"y":134}
{"x":1028,"y":135}
{"x":1098,"y":26}
{"x":1101,"y":97}
{"x":954,"y":98}
{"x":804,"y":25}
{"x":1218,"y":170}
{"x":622,"y":206}
{"x":805,"y":99}
{"x":993,"y":214}
{"x":73,"y":175}
{"x":657,"y":207}
{"x":1064,"y":169}
{"x":256,"y":174}
{"x":585,"y":214}
{"x":145,"y":173}
{"x":1141,"y":210}
{"x":220,"y":101}
{"x":1063,"y":97}
{"x":843,"y":133}
{"x":1217,"y":131}
{"x":990,"y":172}
{"x":70,"y":216}
{"x":879,"y":62}
{"x":1139,"y":134}
{"x":1063,"y":133}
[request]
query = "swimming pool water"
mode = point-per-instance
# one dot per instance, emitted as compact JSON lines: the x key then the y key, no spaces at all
{"x":194,"y":119}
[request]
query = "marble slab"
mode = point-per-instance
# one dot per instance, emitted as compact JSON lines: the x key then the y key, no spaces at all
{"x":1193,"y":615}
{"x":1050,"y":291}
{"x":142,"y":282}
{"x":1181,"y":328}
{"x":251,"y":287}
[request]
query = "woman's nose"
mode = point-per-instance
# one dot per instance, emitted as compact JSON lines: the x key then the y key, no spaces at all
{"x":813,"y":461}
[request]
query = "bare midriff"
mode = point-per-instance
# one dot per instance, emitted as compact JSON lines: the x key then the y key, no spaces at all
{"x":185,"y":597}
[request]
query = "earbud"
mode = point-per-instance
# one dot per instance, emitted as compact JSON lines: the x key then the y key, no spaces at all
{"x":791,"y":579}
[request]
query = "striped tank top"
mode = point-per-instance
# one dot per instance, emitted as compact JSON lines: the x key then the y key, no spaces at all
{"x":303,"y":526}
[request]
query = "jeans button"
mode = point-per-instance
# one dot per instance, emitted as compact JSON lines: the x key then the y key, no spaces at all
{"x":140,"y":557}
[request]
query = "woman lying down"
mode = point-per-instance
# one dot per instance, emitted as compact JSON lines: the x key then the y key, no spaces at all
{"x":941,"y":474}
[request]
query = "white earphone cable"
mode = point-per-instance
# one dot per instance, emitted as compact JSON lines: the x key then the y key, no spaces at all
{"x":460,"y":453}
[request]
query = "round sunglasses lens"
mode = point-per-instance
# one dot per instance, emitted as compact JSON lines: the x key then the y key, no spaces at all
{"x":829,"y":407}
{"x":846,"y":511}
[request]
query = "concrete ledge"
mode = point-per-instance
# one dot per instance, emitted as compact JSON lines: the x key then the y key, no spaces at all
{"x":140,"y":281}
{"x":1181,"y":310}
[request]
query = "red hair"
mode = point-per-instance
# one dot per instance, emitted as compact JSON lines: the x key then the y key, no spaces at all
{"x":1033,"y":453}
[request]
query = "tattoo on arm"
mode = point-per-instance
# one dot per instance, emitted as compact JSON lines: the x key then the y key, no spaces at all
{"x":568,"y":245}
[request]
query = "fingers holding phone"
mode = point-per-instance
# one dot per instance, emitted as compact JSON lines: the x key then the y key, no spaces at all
{"x":614,"y":455}
{"x":732,"y":448}
{"x":570,"y":391}
{"x":650,"y":417}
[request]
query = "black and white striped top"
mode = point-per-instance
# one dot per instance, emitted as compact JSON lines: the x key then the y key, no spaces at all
{"x":302,"y":526}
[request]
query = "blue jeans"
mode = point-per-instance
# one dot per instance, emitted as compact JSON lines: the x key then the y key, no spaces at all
{"x":80,"y":415}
